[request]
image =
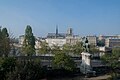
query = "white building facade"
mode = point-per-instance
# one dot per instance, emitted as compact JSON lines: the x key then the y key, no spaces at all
{"x":56,"y":41}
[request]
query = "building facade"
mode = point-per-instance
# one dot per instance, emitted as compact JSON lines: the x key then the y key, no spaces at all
{"x":56,"y":41}
{"x":112,"y":42}
{"x":73,"y":39}
{"x":21,"y":39}
{"x":60,"y":39}
{"x":101,"y":37}
{"x":92,"y":40}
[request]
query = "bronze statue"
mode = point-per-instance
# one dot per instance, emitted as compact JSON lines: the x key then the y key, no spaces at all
{"x":86,"y":46}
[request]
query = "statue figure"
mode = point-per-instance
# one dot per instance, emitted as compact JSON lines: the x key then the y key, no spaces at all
{"x":86,"y":46}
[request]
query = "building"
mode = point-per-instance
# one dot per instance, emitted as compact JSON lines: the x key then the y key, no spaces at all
{"x":56,"y":35}
{"x":56,"y":41}
{"x":101,"y":37}
{"x":92,"y":40}
{"x":112,"y":42}
{"x":69,"y":32}
{"x":21,"y":39}
{"x":105,"y":49}
{"x":60,"y":39}
{"x":73,"y":39}
{"x":56,"y":38}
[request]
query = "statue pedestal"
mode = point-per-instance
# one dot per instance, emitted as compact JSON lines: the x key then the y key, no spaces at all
{"x":86,"y":63}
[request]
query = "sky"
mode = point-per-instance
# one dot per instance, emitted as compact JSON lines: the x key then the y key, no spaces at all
{"x":86,"y":17}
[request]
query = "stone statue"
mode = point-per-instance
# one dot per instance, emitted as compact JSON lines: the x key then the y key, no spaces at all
{"x":86,"y":46}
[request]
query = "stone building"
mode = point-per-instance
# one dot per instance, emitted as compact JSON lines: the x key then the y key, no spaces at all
{"x":60,"y":39}
{"x":73,"y":39}
{"x":92,"y":40}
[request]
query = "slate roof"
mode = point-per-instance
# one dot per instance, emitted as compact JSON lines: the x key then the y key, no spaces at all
{"x":54,"y":35}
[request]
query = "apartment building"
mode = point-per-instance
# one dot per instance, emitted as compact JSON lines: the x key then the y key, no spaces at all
{"x":112,"y":42}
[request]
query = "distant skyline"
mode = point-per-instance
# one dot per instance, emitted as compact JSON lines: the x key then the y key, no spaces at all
{"x":86,"y":17}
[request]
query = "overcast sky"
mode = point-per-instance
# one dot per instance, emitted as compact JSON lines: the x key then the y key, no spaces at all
{"x":86,"y":17}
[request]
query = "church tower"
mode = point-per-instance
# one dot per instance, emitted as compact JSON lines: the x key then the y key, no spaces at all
{"x":69,"y":32}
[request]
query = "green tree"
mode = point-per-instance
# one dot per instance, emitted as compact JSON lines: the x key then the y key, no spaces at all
{"x":4,"y":42}
{"x":67,"y":48}
{"x":55,"y":49}
{"x":44,"y":48}
{"x":116,"y":52}
{"x":93,"y":49}
{"x":112,"y":60}
{"x":101,"y":43}
{"x":0,"y":42}
{"x":7,"y":66}
{"x":29,"y":70}
{"x":29,"y":42}
{"x":77,"y":48}
{"x":63,"y":61}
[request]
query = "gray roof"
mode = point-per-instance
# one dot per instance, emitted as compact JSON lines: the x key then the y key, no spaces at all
{"x":54,"y":35}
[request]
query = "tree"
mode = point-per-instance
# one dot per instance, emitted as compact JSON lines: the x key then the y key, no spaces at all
{"x":101,"y":43}
{"x":55,"y":49}
{"x":67,"y":48}
{"x":7,"y":66}
{"x":0,"y":42}
{"x":77,"y":48}
{"x":44,"y":48}
{"x":63,"y":61}
{"x":4,"y":42}
{"x":29,"y":42}
{"x":113,"y":60}
{"x":29,"y":70}
{"x":93,"y":49}
{"x":116,"y":52}
{"x":13,"y":69}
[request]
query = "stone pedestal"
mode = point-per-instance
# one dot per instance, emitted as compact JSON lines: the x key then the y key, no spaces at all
{"x":86,"y":63}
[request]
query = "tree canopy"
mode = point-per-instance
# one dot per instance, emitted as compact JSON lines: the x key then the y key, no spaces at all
{"x":44,"y":48}
{"x":61,"y":60}
{"x":77,"y":48}
{"x":4,"y":42}
{"x":113,"y":60}
{"x":29,"y":42}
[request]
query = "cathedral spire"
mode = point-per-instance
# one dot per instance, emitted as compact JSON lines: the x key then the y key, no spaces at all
{"x":56,"y":29}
